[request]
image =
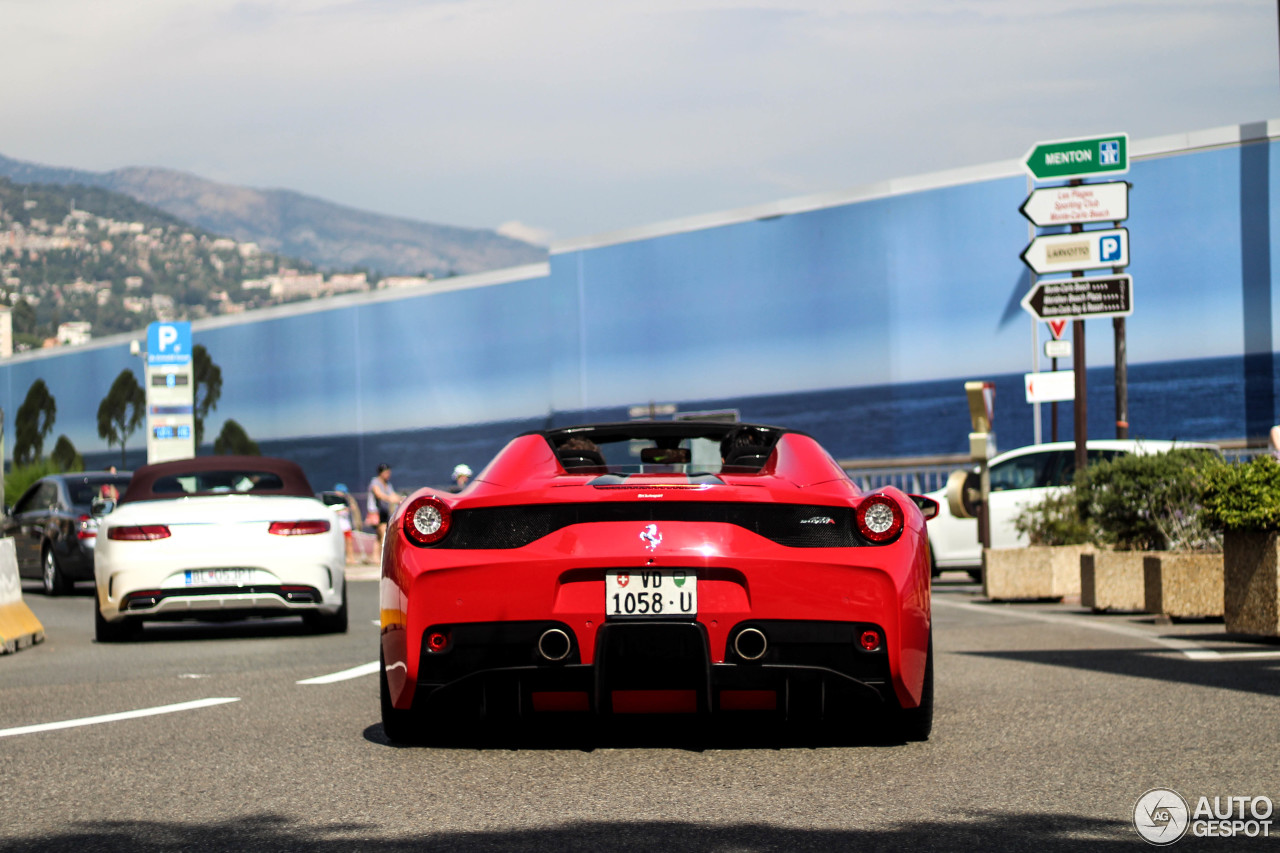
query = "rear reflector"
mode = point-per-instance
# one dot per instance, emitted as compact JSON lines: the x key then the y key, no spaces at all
{"x":748,"y":700}
{"x":655,"y":701}
{"x":566,"y":700}
{"x":139,"y":533}
{"x":298,"y":528}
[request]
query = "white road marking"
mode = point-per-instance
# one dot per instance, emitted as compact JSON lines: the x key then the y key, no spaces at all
{"x":1210,"y":654}
{"x":111,"y":718}
{"x":1192,"y":650}
{"x":354,"y":672}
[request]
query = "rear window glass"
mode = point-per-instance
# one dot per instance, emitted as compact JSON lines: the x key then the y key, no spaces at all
{"x":216,"y":483}
{"x":83,"y":493}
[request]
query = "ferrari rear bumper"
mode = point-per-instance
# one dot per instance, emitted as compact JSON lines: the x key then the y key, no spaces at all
{"x":798,"y":671}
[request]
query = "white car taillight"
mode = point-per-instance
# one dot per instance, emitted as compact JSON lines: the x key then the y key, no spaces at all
{"x":139,"y":533}
{"x":298,"y":528}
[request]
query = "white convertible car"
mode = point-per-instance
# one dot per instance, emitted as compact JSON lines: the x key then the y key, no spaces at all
{"x":1021,"y":478}
{"x":219,"y":537}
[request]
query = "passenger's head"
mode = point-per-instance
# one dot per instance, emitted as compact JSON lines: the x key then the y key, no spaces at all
{"x":580,"y":442}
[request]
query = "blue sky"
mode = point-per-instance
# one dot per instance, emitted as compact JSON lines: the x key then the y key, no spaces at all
{"x":565,"y":118}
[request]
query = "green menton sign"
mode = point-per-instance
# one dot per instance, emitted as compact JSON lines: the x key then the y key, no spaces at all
{"x":1079,"y":158}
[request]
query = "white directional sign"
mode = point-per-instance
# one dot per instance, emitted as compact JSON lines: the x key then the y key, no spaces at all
{"x":1050,"y":387}
{"x":1078,"y":205}
{"x":1086,"y":250}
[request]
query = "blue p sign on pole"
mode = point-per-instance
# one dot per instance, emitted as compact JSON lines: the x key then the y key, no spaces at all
{"x":169,"y":343}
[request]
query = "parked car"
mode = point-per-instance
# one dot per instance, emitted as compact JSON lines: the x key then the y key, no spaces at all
{"x":658,"y":567}
{"x":53,"y":528}
{"x":219,"y":537}
{"x":1021,"y":478}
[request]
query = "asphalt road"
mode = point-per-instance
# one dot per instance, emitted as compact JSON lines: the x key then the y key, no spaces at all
{"x":1050,"y":723}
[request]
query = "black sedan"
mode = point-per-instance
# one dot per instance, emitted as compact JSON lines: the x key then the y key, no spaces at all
{"x":54,"y":530}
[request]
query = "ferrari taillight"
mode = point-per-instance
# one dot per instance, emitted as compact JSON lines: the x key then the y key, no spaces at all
{"x":869,"y":640}
{"x":297,"y":528}
{"x":879,"y":518}
{"x":139,"y":533}
{"x":426,"y":520}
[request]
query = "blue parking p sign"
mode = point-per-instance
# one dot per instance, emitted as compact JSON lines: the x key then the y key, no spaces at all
{"x":169,"y":343}
{"x":1109,"y":248}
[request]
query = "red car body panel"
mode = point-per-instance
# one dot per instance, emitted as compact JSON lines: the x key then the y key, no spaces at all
{"x":741,"y":575}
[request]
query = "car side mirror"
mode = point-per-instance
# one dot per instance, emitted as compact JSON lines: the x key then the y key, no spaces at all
{"x":101,"y":506}
{"x":928,"y":506}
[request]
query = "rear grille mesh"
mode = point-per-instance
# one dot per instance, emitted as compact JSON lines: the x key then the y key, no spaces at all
{"x":793,"y":525}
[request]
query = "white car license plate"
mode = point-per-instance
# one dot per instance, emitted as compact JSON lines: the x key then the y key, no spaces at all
{"x":218,"y":577}
{"x":651,"y":592}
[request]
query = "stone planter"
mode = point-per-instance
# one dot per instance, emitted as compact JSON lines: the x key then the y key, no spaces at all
{"x":1112,"y":580}
{"x":1036,"y":572}
{"x":1251,"y":582}
{"x":1186,"y":585}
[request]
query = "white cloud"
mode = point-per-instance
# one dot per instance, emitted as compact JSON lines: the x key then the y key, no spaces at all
{"x":528,"y":233}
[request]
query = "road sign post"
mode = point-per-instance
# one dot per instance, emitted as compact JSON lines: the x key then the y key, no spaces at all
{"x":170,"y":392}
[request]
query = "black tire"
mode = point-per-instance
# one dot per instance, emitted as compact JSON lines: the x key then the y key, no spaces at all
{"x":112,"y":632}
{"x":934,"y":571}
{"x":976,"y":574}
{"x":51,"y":576}
{"x":915,"y":724}
{"x":398,"y":725}
{"x":329,"y":623}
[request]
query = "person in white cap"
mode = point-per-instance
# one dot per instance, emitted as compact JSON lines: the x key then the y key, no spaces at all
{"x":461,"y":475}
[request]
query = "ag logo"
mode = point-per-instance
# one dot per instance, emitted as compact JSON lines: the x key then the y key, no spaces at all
{"x":651,"y":537}
{"x":1161,"y":816}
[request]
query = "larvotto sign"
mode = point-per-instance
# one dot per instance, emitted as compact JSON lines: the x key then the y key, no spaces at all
{"x":1079,"y":158}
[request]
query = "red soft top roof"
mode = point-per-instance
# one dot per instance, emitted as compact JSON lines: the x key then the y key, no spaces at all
{"x":293,"y":482}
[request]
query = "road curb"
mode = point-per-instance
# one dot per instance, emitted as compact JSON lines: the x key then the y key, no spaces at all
{"x":19,"y":627}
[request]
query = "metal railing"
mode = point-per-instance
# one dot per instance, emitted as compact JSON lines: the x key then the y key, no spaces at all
{"x":918,"y":475}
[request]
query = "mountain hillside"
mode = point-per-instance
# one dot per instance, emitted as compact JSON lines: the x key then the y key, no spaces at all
{"x":328,"y":235}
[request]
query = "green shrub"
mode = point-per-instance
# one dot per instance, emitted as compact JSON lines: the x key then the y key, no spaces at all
{"x":1151,"y":502}
{"x":1243,"y":497}
{"x":20,"y":477}
{"x":1056,"y":521}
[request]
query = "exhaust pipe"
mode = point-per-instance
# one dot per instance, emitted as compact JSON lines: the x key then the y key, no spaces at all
{"x":751,"y":644}
{"x":554,"y":644}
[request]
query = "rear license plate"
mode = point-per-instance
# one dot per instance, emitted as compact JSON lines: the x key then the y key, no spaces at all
{"x":651,"y":592}
{"x":218,"y":577}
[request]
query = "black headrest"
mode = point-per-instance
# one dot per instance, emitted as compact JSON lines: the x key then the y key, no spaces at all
{"x":753,"y":455}
{"x":664,"y":455}
{"x":580,"y":458}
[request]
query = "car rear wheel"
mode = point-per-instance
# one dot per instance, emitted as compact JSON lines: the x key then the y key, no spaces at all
{"x":329,"y":623}
{"x":55,"y":583}
{"x":112,"y":632}
{"x":398,"y":725}
{"x":915,"y":724}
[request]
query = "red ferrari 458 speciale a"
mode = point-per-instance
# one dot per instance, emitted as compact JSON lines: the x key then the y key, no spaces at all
{"x":658,"y":567}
